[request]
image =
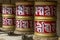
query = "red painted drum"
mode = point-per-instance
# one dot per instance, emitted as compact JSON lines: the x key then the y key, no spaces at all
{"x":45,"y":19}
{"x":45,"y":27}
{"x":45,"y":10}
{"x":24,"y":25}
{"x":8,"y":17}
{"x":24,"y":17}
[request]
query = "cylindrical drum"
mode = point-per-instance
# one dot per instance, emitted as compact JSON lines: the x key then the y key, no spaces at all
{"x":24,"y":17}
{"x":45,"y":19}
{"x":8,"y":17}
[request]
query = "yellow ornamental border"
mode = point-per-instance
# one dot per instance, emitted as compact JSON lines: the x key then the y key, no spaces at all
{"x":24,"y":3}
{"x":45,"y":20}
{"x":8,"y":16}
{"x":24,"y":29}
{"x":5,"y":29}
{"x":46,"y":3}
{"x":10,"y":5}
{"x":8,"y":27}
{"x":45,"y":34}
{"x":24,"y":17}
{"x":23,"y":32}
{"x":51,"y":18}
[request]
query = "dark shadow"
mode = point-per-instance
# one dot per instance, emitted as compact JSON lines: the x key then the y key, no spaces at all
{"x":27,"y":37}
{"x":0,"y":16}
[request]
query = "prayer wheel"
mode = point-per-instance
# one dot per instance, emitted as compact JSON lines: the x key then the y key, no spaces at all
{"x":24,"y":17}
{"x":45,"y":18}
{"x":8,"y":17}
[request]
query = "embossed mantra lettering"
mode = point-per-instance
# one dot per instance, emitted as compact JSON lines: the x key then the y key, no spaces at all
{"x":23,"y":24}
{"x":7,"y":10}
{"x":43,"y":27}
{"x":7,"y":21}
{"x":45,"y":11}
{"x":23,"y":10}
